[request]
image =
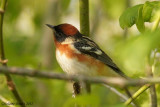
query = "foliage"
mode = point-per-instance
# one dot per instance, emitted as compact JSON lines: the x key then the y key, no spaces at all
{"x":143,"y":48}
{"x":139,"y":14}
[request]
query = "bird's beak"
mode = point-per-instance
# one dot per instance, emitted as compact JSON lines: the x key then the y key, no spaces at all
{"x":50,"y":26}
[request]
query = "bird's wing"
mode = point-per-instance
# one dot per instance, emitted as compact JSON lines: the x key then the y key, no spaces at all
{"x":89,"y":47}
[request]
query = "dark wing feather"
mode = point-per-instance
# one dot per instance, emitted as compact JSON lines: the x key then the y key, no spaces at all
{"x":89,"y":47}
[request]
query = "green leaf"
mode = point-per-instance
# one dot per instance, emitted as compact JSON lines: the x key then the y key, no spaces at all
{"x":129,"y":16}
{"x":149,"y":10}
{"x":140,"y":21}
{"x":139,"y":14}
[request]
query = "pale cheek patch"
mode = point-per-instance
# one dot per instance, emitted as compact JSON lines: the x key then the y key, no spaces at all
{"x":67,"y":41}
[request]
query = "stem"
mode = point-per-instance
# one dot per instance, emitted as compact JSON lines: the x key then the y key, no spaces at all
{"x":153,"y":96}
{"x":84,"y":17}
{"x":10,"y":82}
{"x":84,"y":26}
{"x":140,"y":91}
{"x":2,"y":9}
{"x":130,"y":96}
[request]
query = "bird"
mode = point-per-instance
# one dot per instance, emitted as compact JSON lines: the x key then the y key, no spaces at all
{"x":77,"y":54}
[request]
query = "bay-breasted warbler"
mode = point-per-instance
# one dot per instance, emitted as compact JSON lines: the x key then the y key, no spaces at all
{"x":78,"y":54}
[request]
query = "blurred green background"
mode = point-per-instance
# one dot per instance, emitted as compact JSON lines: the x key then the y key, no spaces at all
{"x":29,"y":43}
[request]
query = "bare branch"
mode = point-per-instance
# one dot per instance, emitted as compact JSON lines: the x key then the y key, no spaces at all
{"x":114,"y":81}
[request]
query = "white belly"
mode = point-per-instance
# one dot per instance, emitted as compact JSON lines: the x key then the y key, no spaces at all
{"x":73,"y":66}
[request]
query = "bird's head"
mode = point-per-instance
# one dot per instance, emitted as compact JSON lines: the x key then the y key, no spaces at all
{"x":64,"y":31}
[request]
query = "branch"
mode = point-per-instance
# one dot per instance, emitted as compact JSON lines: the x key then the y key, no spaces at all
{"x":61,"y":76}
{"x":114,"y":81}
{"x":10,"y":82}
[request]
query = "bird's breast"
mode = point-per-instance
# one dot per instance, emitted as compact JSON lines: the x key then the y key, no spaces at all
{"x":73,"y":66}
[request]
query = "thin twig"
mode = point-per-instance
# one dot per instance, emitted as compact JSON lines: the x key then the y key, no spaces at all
{"x":117,"y":92}
{"x":10,"y":82}
{"x":125,"y":98}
